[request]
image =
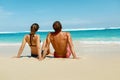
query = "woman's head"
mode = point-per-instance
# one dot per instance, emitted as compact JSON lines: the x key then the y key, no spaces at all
{"x":34,"y":27}
{"x":57,"y":26}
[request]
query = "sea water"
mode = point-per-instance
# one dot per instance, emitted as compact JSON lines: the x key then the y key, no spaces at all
{"x":87,"y":35}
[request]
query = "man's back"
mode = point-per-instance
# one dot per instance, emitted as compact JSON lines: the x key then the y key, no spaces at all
{"x":59,"y":42}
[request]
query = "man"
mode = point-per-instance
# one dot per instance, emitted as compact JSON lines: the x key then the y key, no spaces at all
{"x":61,"y":42}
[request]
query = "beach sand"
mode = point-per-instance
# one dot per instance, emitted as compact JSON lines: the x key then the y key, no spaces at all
{"x":97,"y":62}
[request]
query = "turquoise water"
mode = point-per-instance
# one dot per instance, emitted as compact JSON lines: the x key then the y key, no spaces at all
{"x":82,"y":35}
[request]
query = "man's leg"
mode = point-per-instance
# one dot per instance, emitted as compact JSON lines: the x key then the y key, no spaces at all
{"x":68,"y":52}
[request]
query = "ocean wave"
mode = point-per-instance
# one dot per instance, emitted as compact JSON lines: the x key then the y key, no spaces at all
{"x":10,"y":44}
{"x":77,"y":29}
{"x":100,"y":42}
{"x":84,"y":29}
{"x":45,"y":30}
{"x":14,"y":44}
{"x":81,"y":42}
{"x":13,"y":32}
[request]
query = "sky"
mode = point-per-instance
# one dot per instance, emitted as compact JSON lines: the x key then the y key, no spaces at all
{"x":19,"y":15}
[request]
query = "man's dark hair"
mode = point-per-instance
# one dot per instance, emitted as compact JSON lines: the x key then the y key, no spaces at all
{"x":57,"y":26}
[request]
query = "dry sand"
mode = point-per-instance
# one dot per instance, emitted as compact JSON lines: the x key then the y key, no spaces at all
{"x":97,"y":62}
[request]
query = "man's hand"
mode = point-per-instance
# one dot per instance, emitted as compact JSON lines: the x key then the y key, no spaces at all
{"x":76,"y":57}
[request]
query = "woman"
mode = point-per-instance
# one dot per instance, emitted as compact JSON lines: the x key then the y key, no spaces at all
{"x":33,"y":41}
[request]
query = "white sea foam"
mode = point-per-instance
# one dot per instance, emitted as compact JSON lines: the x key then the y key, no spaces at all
{"x":81,"y":42}
{"x":100,"y":42}
{"x":12,"y":32}
{"x":10,"y":44}
{"x":13,"y":44}
{"x":77,"y":29}
{"x":45,"y":30}
{"x":82,"y":29}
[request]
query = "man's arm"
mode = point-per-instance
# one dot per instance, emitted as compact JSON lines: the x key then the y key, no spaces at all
{"x":21,"y":47}
{"x":71,"y":46}
{"x":47,"y":44}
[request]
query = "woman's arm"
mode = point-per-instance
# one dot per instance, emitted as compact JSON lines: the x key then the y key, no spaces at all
{"x":21,"y":47}
{"x":38,"y":47}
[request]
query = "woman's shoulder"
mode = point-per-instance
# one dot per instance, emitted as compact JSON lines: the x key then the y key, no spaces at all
{"x":27,"y":35}
{"x":37,"y":36}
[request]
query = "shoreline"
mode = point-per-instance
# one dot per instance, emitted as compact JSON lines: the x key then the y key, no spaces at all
{"x":78,"y":40}
{"x":81,"y":48}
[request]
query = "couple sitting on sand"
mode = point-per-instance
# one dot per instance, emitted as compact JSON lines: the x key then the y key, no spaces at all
{"x":61,"y":42}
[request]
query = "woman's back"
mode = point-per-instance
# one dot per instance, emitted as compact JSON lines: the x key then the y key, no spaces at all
{"x":32,"y":42}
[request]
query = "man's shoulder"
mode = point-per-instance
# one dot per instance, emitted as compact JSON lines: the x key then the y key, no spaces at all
{"x":66,"y":33}
{"x":50,"y":33}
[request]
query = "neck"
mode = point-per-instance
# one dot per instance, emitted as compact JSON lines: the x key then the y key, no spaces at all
{"x":57,"y":32}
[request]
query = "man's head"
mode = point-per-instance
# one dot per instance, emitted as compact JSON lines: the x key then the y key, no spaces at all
{"x":57,"y":26}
